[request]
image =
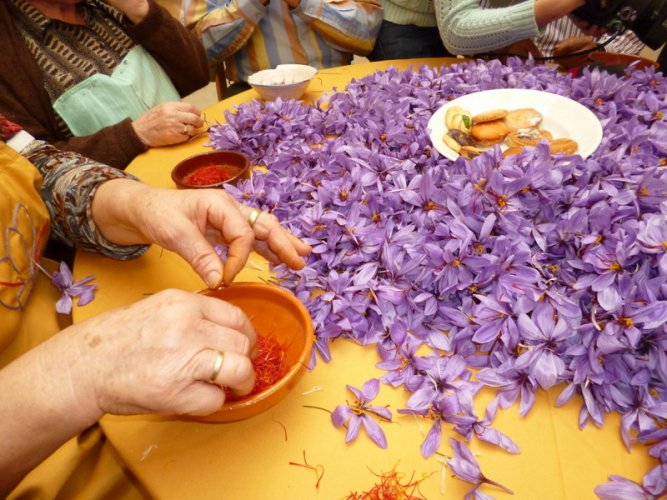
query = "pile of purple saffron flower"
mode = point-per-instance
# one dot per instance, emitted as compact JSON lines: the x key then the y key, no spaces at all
{"x":533,"y":270}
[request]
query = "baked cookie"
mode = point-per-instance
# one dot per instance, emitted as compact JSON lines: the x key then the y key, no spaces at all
{"x":527,"y":137}
{"x":565,"y":146}
{"x":491,"y":132}
{"x":523,"y":118}
{"x":489,"y":116}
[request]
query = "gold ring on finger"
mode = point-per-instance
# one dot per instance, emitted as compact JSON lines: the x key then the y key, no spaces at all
{"x":254,"y":215}
{"x":217,"y":366}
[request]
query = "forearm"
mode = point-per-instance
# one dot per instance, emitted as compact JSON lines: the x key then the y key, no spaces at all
{"x":467,"y":29}
{"x":223,"y":27}
{"x":350,"y":26}
{"x":547,"y":11}
{"x":69,"y":190}
{"x":116,"y":211}
{"x":42,"y":406}
{"x":134,"y":10}
{"x":116,"y":145}
{"x":178,"y":51}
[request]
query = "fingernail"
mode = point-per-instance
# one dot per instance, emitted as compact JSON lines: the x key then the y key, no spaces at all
{"x":213,"y":279}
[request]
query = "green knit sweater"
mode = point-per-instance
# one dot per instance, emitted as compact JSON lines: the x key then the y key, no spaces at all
{"x":467,"y":29}
{"x":417,"y":12}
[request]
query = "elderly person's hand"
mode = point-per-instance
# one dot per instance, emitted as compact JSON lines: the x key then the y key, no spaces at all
{"x":135,"y":10}
{"x":190,"y":223}
{"x":168,"y":354}
{"x":574,"y":45}
{"x":159,"y":355}
{"x":168,"y":123}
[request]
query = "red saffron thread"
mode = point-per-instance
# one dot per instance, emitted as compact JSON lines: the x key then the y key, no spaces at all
{"x":390,"y":487}
{"x":270,"y":366}
{"x":318,"y":469}
{"x":281,"y":425}
{"x":210,"y":174}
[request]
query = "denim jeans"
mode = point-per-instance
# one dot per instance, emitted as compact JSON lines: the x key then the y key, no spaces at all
{"x":407,"y":41}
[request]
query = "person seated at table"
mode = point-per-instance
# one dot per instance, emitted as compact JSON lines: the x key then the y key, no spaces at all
{"x":170,"y":353}
{"x":102,"y":78}
{"x":251,"y":35}
{"x":409,"y":30}
{"x":466,"y":28}
{"x":562,"y":37}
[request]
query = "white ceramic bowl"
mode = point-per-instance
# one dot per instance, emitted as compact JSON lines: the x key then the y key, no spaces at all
{"x":287,"y":81}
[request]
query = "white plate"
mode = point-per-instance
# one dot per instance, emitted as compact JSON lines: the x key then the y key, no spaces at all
{"x":563,"y":117}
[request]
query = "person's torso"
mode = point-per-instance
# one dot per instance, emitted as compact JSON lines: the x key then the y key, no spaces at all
{"x":283,"y":38}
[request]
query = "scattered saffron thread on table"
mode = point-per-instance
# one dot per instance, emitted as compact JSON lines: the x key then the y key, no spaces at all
{"x":318,"y":469}
{"x":391,"y":487}
{"x":281,"y":425}
{"x":317,"y":408}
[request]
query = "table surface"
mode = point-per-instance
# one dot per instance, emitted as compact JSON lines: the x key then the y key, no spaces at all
{"x":254,"y":459}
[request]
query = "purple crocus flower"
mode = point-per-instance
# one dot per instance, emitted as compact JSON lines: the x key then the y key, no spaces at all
{"x":465,"y":466}
{"x":469,"y":425}
{"x":620,"y":488}
{"x":653,"y":238}
{"x":544,"y":336}
{"x":536,"y":269}
{"x":359,"y":414}
{"x":64,"y":282}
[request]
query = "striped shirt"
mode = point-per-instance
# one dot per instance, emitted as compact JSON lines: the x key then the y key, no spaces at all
{"x":249,"y":36}
{"x":563,"y":28}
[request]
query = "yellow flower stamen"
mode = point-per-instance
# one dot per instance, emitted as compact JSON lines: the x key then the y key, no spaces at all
{"x":615,"y":267}
{"x":626,"y":322}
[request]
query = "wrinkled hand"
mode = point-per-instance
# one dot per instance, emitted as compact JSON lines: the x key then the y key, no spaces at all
{"x":135,"y":10}
{"x":571,"y":46}
{"x":157,"y":355}
{"x":191,"y":222}
{"x":574,"y":44}
{"x":168,"y":123}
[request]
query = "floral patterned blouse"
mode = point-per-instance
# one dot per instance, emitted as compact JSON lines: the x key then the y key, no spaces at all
{"x":70,"y":182}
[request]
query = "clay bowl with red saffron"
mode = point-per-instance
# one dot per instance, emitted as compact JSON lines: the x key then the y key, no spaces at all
{"x":281,"y":322}
{"x":211,"y":170}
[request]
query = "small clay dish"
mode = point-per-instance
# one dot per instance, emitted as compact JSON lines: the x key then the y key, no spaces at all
{"x":210,"y":170}
{"x":620,"y":63}
{"x":278,"y":315}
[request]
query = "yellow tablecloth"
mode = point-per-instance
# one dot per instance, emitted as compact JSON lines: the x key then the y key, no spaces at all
{"x":254,"y":459}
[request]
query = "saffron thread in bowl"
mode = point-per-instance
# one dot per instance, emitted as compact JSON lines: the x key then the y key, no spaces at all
{"x":210,"y":174}
{"x":269,"y":367}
